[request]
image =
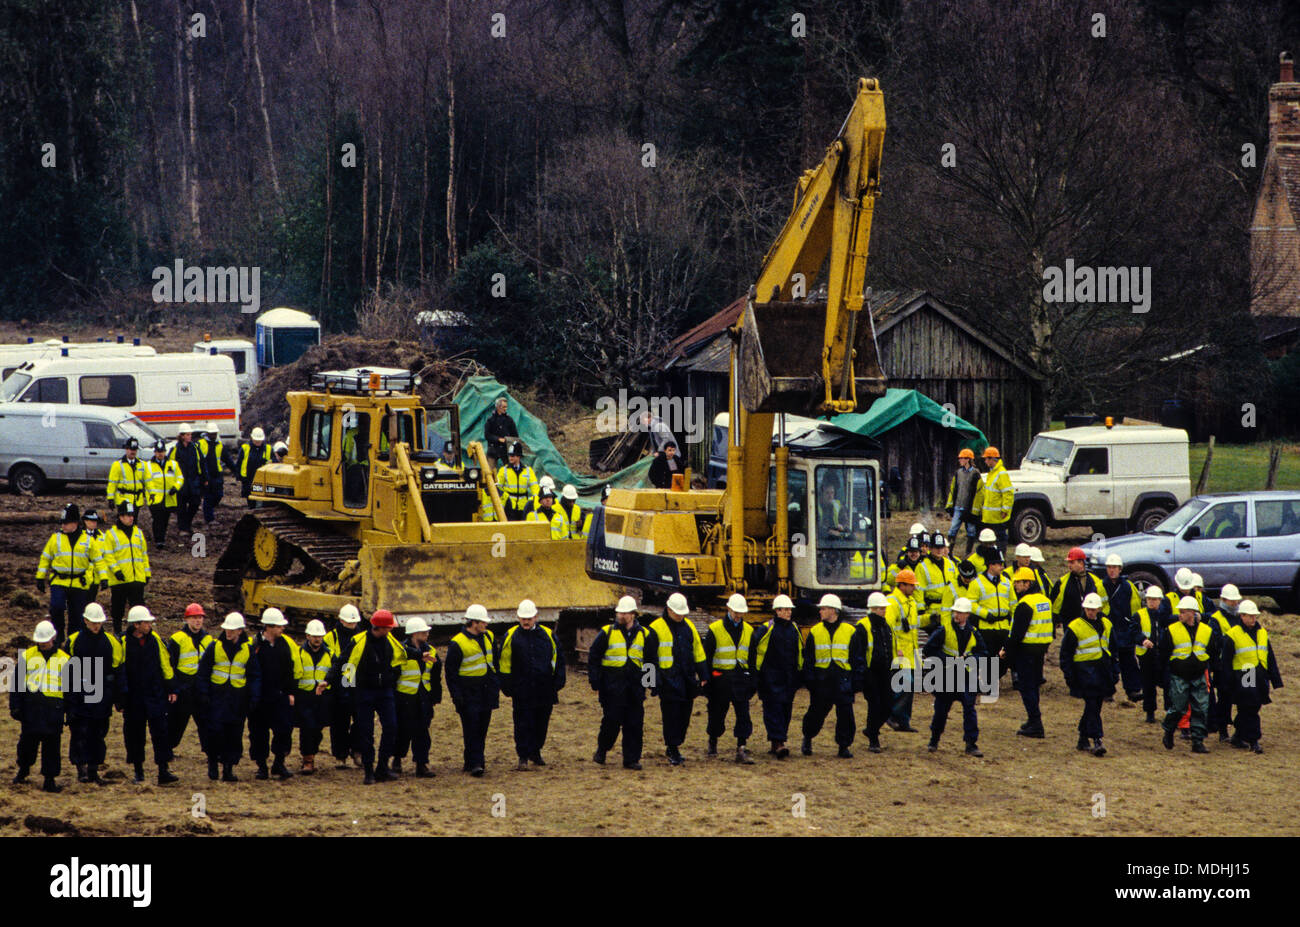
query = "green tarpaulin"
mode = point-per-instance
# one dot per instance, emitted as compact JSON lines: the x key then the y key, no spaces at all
{"x":897,"y":406}
{"x":475,"y":401}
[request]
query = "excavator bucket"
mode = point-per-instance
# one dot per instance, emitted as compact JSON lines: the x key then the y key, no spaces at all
{"x":781,"y":347}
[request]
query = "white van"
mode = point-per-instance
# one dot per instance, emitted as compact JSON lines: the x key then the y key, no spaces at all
{"x":241,"y":352}
{"x":11,"y":355}
{"x":46,"y":445}
{"x":163,"y":391}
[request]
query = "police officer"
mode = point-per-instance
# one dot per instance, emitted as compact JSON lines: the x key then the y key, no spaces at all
{"x":993,"y":599}
{"x":472,"y":684}
{"x":186,"y":455}
{"x":517,"y":483}
{"x":1123,"y":602}
{"x":549,"y":513}
{"x":272,"y":689}
{"x":88,"y":718}
{"x":222,"y":689}
{"x":214,"y":479}
{"x":185,"y":648}
{"x":578,"y":518}
{"x":93,"y":539}
{"x":419,"y":688}
{"x":934,"y":574}
{"x":252,"y":454}
{"x":986,"y":549}
{"x":1026,"y":647}
{"x":127,"y":554}
{"x":955,"y":642}
{"x":343,"y":742}
{"x":531,"y":670}
{"x":163,"y":483}
{"x":311,"y":708}
{"x":1088,"y":670}
{"x":879,"y":649}
{"x":833,"y":670}
{"x":1188,"y":647}
{"x":1224,"y":617}
{"x":147,"y":692}
{"x":615,"y":672}
{"x":902,"y":614}
{"x":728,"y":646}
{"x":372,"y":670}
{"x":1249,"y":671}
{"x":38,"y":706}
{"x":910,"y":561}
{"x":1151,"y":620}
{"x":778,"y":667}
{"x":65,"y":561}
{"x":996,"y":497}
{"x":126,"y":478}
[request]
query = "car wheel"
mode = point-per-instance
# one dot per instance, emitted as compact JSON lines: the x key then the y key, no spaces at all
{"x":26,"y":479}
{"x":1030,"y":525}
{"x":1141,"y":578}
{"x":1149,"y":517}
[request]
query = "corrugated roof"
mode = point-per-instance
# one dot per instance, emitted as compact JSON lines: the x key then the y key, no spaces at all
{"x":696,"y":338}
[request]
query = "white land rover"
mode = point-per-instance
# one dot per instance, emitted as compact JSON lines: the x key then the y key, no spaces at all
{"x":1114,"y":480}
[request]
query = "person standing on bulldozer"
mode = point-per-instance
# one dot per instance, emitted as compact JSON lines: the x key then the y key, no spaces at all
{"x":499,"y":432}
{"x":517,"y":482}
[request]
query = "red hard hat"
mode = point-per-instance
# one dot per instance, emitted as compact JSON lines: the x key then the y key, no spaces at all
{"x":193,"y":609}
{"x":383,"y":618}
{"x":1076,"y":553}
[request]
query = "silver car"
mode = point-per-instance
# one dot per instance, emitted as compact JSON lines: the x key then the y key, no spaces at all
{"x":1250,"y":539}
{"x":43,"y":444}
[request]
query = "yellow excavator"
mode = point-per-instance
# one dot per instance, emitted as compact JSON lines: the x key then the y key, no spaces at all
{"x":797,"y":521}
{"x":376,"y":504}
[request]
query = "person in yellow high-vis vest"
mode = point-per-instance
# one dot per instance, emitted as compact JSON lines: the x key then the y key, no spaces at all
{"x":1088,"y":669}
{"x":163,"y":482}
{"x":676,"y":652}
{"x":551,"y":514}
{"x":729,"y":648}
{"x":579,"y":518}
{"x":1188,"y":647}
{"x":530,"y":666}
{"x":65,"y":562}
{"x":185,"y":648}
{"x":935,"y":573}
{"x":997,"y":496}
{"x":834,"y":664}
{"x":222,"y":689}
{"x":1026,"y":646}
{"x":616,"y":671}
{"x":126,"y":478}
{"x":1249,"y":670}
{"x":127,"y":554}
{"x":993,"y":600}
{"x":38,"y":706}
{"x":516,"y":482}
{"x":958,"y":644}
{"x":311,"y":704}
{"x":419,"y":689}
{"x":904,"y":623}
{"x":473,"y":685}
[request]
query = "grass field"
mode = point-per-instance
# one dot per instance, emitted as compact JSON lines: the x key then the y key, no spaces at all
{"x":1240,"y":467}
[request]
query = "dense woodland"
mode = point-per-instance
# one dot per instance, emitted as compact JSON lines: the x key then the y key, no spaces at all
{"x":374,"y":156}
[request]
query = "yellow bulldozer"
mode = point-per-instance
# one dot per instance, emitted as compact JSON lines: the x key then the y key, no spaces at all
{"x":377,"y":504}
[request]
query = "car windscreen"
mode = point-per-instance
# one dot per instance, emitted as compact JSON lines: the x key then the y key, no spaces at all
{"x":134,"y":428}
{"x":1053,"y":452}
{"x":13,"y":386}
{"x":1181,"y":516}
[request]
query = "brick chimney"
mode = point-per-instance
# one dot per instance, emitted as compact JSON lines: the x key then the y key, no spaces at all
{"x":1284,"y":105}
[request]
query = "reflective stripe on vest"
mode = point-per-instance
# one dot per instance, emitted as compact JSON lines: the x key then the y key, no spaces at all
{"x":1090,"y":645}
{"x":474,"y":659}
{"x":950,"y":638}
{"x":1248,"y":652}
{"x":617,"y":651}
{"x":761,"y":653}
{"x":187,"y":656}
{"x":43,"y":674}
{"x":227,"y":670}
{"x":312,"y":673}
{"x":506,"y":663}
{"x":1040,"y":620}
{"x":995,"y":599}
{"x":831,"y":647}
{"x":664,"y":635}
{"x":727,"y":654}
{"x":1185,"y":647}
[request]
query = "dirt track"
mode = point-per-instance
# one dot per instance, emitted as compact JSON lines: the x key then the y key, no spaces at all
{"x":1020,"y":787}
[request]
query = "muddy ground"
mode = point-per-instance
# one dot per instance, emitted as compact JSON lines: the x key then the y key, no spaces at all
{"x":1020,"y":787}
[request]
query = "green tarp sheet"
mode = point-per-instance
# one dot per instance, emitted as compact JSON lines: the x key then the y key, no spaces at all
{"x":897,"y":406}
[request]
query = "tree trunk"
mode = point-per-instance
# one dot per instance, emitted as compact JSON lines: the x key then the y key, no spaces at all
{"x":453,"y":258}
{"x":181,"y":137}
{"x":192,"y":82}
{"x":266,"y":116}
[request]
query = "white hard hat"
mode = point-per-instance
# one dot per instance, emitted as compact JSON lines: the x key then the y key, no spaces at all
{"x":987,"y":536}
{"x":349,"y":613}
{"x":476,"y":612}
{"x":737,"y":604}
{"x":1155,"y":592}
{"x":1183,"y":578}
{"x":570,"y":492}
{"x":184,"y":428}
{"x":138,"y":613}
{"x":1114,"y":560}
{"x":1248,"y":607}
{"x":830,"y":600}
{"x":782,"y":601}
{"x":626,"y":605}
{"x":1230,"y":591}
{"x":546,"y":481}
{"x":234,"y":622}
{"x":1092,"y":600}
{"x":1197,"y":582}
{"x":527,"y":609}
{"x":280,"y":447}
{"x":257,"y":434}
{"x":273,"y":616}
{"x":416,"y":624}
{"x":677,"y":604}
{"x":917,"y":528}
{"x":94,"y":612}
{"x":212,"y":429}
{"x":962,"y":605}
{"x":1036,"y":555}
{"x":1024,"y":550}
{"x":315,"y":628}
{"x":877,"y":600}
{"x":1189,"y":602}
{"x":44,"y":632}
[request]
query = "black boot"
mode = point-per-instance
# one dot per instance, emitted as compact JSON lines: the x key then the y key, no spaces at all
{"x":845,"y":753}
{"x":1151,"y":717}
{"x":1255,"y":747}
{"x":139,"y":774}
{"x":82,"y":775}
{"x":228,"y":773}
{"x":972,"y":749}
{"x":396,"y":768}
{"x":934,"y":746}
{"x":50,"y":785}
{"x":1083,"y":743}
{"x":422,"y":771}
{"x":262,"y":772}
{"x":383,"y":771}
{"x":598,"y":757}
{"x":1097,"y":748}
{"x":1198,"y":746}
{"x":370,"y":774}
{"x":1168,"y":740}
{"x":166,"y":776}
{"x":280,"y":771}
{"x":22,"y":775}
{"x":873,"y":745}
{"x":713,"y":747}
{"x":213,"y":774}
{"x":806,"y":748}
{"x":92,"y":774}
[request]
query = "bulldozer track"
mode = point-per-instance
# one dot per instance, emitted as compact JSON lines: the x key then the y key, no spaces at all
{"x":324,"y":552}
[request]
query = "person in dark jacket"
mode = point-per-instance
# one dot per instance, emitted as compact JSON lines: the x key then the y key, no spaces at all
{"x":728,"y":648}
{"x":778,"y":670}
{"x":1150,"y":622}
{"x":665,"y":466}
{"x":222,"y":693}
{"x":879,"y":648}
{"x":956,"y":641}
{"x":530,"y":668}
{"x":311,"y":703}
{"x":1089,"y":669}
{"x":1123,"y":601}
{"x":1068,"y":592}
{"x":834,"y":668}
{"x":499,"y":431}
{"x":472,"y":685}
{"x":372,"y":670}
{"x":214,"y":479}
{"x":343,"y":741}
{"x":676,"y":652}
{"x":271,"y":692}
{"x":615,"y":671}
{"x":1248,"y":670}
{"x":961,"y":499}
{"x":1188,"y":648}
{"x":147,"y":692}
{"x":253,"y":454}
{"x":419,"y":689}
{"x":89,"y":713}
{"x":185,"y":649}
{"x":1032,"y":632}
{"x":38,"y":706}
{"x":186,"y":454}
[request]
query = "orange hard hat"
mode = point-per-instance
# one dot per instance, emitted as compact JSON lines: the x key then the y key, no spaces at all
{"x":991,"y":451}
{"x":194,"y":609}
{"x":383,"y":618}
{"x":965,"y":454}
{"x":1076,"y":553}
{"x":906,"y":576}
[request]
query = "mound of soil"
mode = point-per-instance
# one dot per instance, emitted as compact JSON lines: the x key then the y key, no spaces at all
{"x":440,"y":376}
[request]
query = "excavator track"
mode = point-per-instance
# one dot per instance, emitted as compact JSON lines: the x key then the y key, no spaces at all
{"x":322,"y":552}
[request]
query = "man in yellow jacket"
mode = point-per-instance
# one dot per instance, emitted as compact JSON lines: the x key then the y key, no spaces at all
{"x":902,"y":615}
{"x":127,"y":554}
{"x":163,"y":482}
{"x":996,"y":497}
{"x":126,"y":477}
